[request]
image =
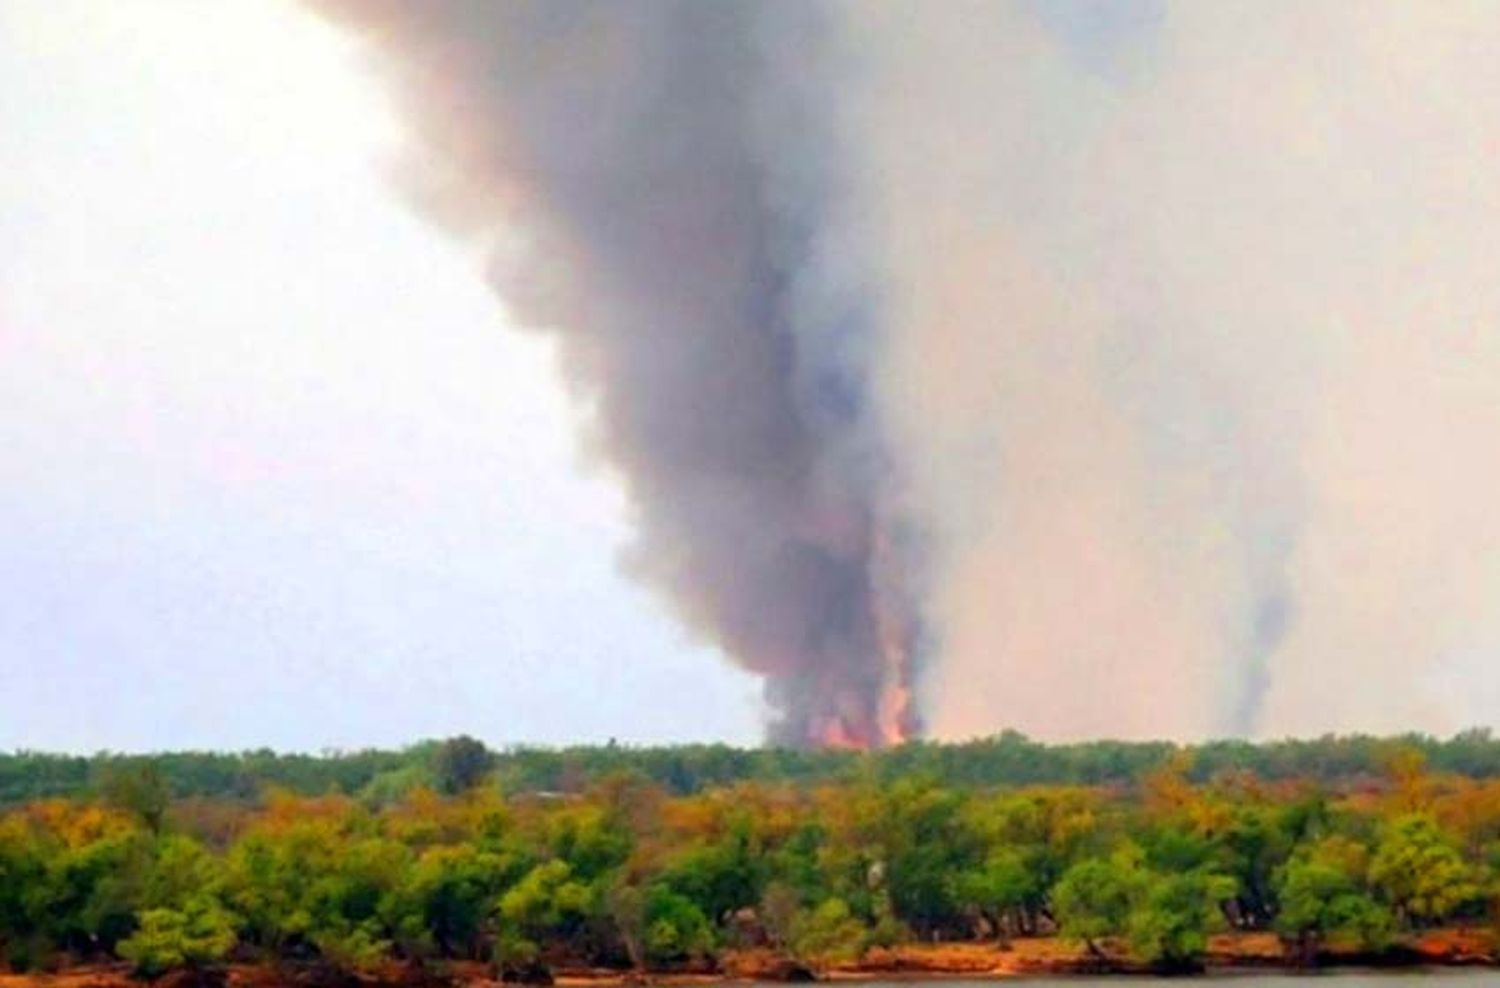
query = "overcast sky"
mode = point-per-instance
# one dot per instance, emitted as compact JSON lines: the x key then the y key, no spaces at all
{"x":273,"y":468}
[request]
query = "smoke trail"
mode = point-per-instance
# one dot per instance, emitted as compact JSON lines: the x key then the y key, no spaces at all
{"x":653,"y":185}
{"x":1167,"y":336}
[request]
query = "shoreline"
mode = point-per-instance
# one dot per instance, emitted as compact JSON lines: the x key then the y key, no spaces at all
{"x":1032,"y":957}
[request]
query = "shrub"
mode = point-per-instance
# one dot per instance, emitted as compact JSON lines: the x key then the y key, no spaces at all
{"x":199,"y":934}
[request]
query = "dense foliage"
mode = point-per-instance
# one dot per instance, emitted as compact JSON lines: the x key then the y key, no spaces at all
{"x":1007,"y":759}
{"x":440,"y":852}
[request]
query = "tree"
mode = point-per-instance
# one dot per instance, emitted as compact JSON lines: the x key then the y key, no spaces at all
{"x":453,"y":892}
{"x":461,"y":763}
{"x":1321,"y":898}
{"x":676,"y":928}
{"x":140,"y":790}
{"x":1419,"y":872}
{"x":200,"y":933}
{"x":779,"y":907}
{"x":827,"y":933}
{"x":23,"y":874}
{"x":1173,"y":915}
{"x":627,"y":910}
{"x":548,"y":903}
{"x":999,"y":889}
{"x":723,"y":876}
{"x":1257,"y":841}
{"x":1094,"y":898}
{"x":925,"y":842}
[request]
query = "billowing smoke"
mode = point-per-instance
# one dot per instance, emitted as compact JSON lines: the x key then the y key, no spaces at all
{"x":651,"y":181}
{"x":1135,"y":364}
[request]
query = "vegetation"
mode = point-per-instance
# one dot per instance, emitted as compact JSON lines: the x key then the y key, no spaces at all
{"x":666,"y":858}
{"x":1008,"y":759}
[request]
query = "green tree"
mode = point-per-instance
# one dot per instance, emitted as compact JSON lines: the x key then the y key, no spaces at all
{"x":180,"y":868}
{"x":198,"y":934}
{"x":676,"y":928}
{"x":1000,"y":890}
{"x":453,"y":890}
{"x":1094,"y":898}
{"x":141,"y":790}
{"x":23,"y":873}
{"x":1173,"y":915}
{"x":284,"y":883}
{"x":1419,"y":871}
{"x":1322,"y":899}
{"x":925,"y":844}
{"x":547,"y":903}
{"x":827,"y":933}
{"x":93,"y":889}
{"x":723,"y":876}
{"x":461,"y":763}
{"x":354,"y":905}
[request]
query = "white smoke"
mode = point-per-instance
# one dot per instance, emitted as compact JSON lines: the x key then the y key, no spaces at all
{"x":1194,"y":364}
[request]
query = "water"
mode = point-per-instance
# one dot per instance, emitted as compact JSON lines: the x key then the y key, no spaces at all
{"x":1452,"y":977}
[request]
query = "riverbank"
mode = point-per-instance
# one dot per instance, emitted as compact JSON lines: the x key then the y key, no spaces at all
{"x":1025,"y":957}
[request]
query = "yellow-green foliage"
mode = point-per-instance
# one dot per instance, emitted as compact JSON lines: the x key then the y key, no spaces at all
{"x":625,"y":871}
{"x":199,"y":933}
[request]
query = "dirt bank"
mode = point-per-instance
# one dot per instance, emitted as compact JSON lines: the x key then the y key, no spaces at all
{"x":1037,"y":956}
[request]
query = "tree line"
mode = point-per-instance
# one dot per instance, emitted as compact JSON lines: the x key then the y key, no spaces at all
{"x":1007,"y":759}
{"x":627,"y":870}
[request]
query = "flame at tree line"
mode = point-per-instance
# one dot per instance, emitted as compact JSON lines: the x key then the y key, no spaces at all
{"x":987,"y":364}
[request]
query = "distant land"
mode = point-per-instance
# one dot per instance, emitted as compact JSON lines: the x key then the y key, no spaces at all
{"x":1006,"y":759}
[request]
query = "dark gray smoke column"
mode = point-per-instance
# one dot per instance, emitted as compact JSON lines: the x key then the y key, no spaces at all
{"x":652,"y":184}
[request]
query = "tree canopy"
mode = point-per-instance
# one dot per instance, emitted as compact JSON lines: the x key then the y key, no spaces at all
{"x":175,"y":862}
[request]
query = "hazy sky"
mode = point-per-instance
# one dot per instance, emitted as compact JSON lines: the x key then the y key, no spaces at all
{"x":1172,"y":322}
{"x":273,"y":469}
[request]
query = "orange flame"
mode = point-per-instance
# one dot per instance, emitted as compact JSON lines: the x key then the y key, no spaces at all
{"x":836,"y":734}
{"x":853,"y":725}
{"x":896,"y":717}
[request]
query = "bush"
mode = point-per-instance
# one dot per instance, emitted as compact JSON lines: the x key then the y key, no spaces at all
{"x":359,"y":948}
{"x":828,"y":933}
{"x":27,"y":954}
{"x":676,"y":928}
{"x":167,"y":939}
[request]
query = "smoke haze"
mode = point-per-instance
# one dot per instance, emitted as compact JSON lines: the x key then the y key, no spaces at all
{"x":1126,"y":369}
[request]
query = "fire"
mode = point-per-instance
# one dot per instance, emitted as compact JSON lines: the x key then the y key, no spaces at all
{"x":860,"y":720}
{"x":891,"y":725}
{"x":836,"y":734}
{"x":896,"y":715}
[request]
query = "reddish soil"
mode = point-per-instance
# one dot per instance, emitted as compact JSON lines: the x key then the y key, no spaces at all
{"x":1031,"y":956}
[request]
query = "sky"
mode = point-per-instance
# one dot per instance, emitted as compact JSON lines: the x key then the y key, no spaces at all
{"x":274,"y":469}
{"x":1079,"y":366}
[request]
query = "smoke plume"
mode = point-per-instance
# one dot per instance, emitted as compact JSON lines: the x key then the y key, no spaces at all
{"x":649,"y":178}
{"x":1086,"y":367}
